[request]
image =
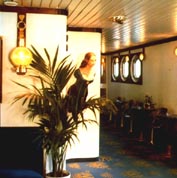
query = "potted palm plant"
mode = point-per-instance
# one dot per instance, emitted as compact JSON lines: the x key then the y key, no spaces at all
{"x":54,"y":110}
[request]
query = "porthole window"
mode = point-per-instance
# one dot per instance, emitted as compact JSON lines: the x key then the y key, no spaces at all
{"x":115,"y":68}
{"x":124,"y":68}
{"x":127,"y":68}
{"x":136,"y":68}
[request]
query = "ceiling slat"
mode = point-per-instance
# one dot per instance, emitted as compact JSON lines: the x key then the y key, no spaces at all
{"x":146,"y":20}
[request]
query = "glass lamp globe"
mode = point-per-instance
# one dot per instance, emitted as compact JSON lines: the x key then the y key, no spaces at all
{"x":21,"y":57}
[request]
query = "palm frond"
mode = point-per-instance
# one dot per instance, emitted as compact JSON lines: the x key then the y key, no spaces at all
{"x":63,"y":73}
{"x":39,"y":63}
{"x":55,"y":60}
{"x":58,"y":115}
{"x":49,"y":60}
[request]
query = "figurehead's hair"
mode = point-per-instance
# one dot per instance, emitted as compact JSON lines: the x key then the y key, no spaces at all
{"x":86,"y":58}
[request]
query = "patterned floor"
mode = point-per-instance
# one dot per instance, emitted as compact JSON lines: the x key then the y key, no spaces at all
{"x":124,"y":157}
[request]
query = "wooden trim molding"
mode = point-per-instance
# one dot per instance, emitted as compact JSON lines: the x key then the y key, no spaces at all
{"x":83,"y":29}
{"x":22,"y":10}
{"x":152,"y":43}
{"x":21,"y":29}
{"x":72,"y":160}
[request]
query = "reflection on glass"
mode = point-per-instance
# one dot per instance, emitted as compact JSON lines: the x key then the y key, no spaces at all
{"x":125,"y":68}
{"x":136,"y":68}
{"x":115,"y":68}
{"x":103,"y":70}
{"x":102,"y":66}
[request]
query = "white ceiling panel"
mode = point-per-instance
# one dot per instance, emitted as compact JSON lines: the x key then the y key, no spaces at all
{"x":146,"y":20}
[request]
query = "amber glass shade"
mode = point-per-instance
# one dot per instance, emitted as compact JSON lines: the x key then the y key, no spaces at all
{"x":21,"y":57}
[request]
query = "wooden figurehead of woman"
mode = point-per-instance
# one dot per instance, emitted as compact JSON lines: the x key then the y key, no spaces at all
{"x":84,"y":76}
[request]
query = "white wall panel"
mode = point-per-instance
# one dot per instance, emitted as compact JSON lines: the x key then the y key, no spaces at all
{"x":47,"y":31}
{"x":80,"y":43}
{"x":42,"y":31}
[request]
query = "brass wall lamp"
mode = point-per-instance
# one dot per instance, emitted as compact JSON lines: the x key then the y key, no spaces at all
{"x":21,"y":56}
{"x":142,"y":55}
{"x":175,"y":51}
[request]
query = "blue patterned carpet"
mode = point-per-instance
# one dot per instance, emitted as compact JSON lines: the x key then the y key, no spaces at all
{"x":123,"y":157}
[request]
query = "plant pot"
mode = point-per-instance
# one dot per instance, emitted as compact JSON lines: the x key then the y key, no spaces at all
{"x":67,"y":175}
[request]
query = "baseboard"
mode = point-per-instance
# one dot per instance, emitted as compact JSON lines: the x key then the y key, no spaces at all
{"x":82,"y":160}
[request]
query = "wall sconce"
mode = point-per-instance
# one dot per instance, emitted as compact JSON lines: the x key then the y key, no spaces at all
{"x":21,"y":56}
{"x":127,"y":58}
{"x":176,"y":51}
{"x":141,"y":56}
